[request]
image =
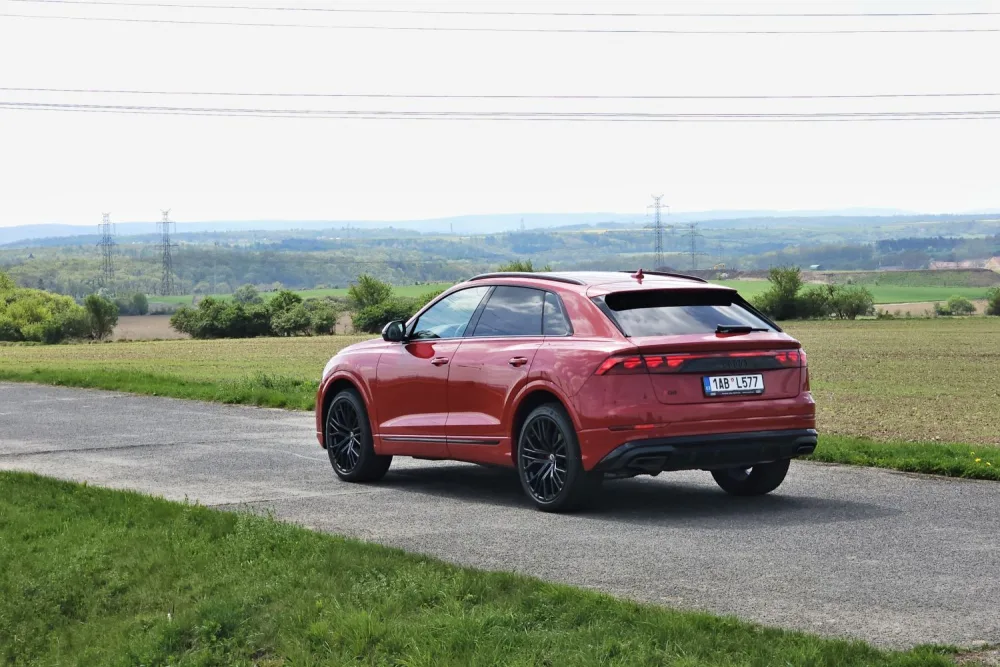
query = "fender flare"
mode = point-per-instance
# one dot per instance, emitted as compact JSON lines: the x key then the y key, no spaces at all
{"x":543,"y":385}
{"x":358,"y":382}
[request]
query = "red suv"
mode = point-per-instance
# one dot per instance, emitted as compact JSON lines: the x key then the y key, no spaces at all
{"x":571,"y":378}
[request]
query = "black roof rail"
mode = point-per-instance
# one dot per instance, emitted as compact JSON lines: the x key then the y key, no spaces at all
{"x":668,"y":274}
{"x":524,"y":274}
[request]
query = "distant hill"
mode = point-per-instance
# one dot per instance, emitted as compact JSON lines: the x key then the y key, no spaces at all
{"x":494,"y":223}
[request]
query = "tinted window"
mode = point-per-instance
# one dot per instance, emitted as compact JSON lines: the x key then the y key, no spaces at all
{"x":449,"y":317}
{"x":555,"y":322}
{"x":512,"y":311}
{"x":673,"y":312}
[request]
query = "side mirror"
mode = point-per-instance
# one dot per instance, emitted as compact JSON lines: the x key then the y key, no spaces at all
{"x":394,"y":332}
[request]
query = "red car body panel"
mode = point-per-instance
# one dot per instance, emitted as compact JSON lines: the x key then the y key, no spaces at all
{"x":459,"y":398}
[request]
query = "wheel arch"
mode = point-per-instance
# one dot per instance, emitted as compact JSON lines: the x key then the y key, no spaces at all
{"x":337,"y":383}
{"x":530,"y":398}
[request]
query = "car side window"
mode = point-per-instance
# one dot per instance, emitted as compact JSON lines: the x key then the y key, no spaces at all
{"x":449,"y":317}
{"x":512,"y":311}
{"x":555,"y":322}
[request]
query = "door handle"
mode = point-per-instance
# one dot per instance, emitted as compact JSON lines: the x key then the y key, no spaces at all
{"x":517,"y":362}
{"x":439,"y":361}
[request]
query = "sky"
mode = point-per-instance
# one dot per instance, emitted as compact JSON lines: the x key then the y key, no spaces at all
{"x":70,"y":167}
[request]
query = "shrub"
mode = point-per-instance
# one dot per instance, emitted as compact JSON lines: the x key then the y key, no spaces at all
{"x":521,"y":266}
{"x":322,"y":316}
{"x":291,"y":321}
{"x":136,"y":304}
{"x":368,"y":291}
{"x":140,"y":304}
{"x":247,"y":295}
{"x":102,"y":314}
{"x":283,"y":301}
{"x":780,"y":301}
{"x":849,"y":302}
{"x":219,"y":319}
{"x":9,"y":331}
{"x":993,"y":301}
{"x":959,"y":305}
{"x":373,"y":318}
{"x":37,"y":315}
{"x":941,"y":310}
{"x":814,"y":302}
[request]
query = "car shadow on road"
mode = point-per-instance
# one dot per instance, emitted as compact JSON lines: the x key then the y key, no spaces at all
{"x":640,"y":500}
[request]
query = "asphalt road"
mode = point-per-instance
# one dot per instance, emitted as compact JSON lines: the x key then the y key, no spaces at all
{"x":892,"y":558}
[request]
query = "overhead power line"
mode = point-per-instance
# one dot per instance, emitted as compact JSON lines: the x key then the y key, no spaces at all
{"x":464,"y":12}
{"x":448,"y":96}
{"x":606,"y":31}
{"x":382,"y":114}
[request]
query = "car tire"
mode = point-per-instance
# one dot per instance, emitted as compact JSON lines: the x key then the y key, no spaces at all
{"x":347,"y":434}
{"x":754,"y":481}
{"x":549,"y":464}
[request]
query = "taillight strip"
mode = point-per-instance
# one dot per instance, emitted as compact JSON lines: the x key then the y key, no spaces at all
{"x":675,"y":362}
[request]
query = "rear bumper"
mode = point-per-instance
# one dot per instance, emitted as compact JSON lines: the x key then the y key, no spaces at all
{"x":705,"y":452}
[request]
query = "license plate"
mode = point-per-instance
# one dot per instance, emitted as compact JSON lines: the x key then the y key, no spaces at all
{"x":733,"y":385}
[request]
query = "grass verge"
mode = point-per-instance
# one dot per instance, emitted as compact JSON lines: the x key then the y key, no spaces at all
{"x":94,"y":576}
{"x":260,"y":389}
{"x":948,"y":459}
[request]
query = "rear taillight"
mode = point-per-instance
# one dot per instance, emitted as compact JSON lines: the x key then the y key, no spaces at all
{"x":622,"y":365}
{"x":805,"y":371}
{"x":694,"y":362}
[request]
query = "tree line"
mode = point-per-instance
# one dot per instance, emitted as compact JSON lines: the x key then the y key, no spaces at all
{"x":247,"y":315}
{"x":34,"y":315}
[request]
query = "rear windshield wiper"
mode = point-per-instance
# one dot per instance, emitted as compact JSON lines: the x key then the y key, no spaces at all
{"x":737,"y":329}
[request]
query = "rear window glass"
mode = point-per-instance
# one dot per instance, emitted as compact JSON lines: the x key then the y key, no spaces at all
{"x":554,"y":321}
{"x":676,"y":312}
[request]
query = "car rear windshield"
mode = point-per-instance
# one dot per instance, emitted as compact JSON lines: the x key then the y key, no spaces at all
{"x":676,"y":312}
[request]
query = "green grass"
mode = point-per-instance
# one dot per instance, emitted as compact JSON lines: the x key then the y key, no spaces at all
{"x":261,"y":389}
{"x":920,"y":380}
{"x":97,"y":577}
{"x":885,"y":389}
{"x":920,"y":278}
{"x":399,"y":290}
{"x":884,"y":294}
{"x":935,"y":458}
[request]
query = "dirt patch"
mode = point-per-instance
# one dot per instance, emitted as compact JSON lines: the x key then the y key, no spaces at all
{"x":145,"y":327}
{"x":923,"y":308}
{"x":984,"y":658}
{"x":344,"y":324}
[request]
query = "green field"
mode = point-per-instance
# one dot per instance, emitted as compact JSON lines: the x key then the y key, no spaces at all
{"x":884,"y":294}
{"x":917,"y":278}
{"x":400,"y":290}
{"x":894,"y":382}
{"x":98,"y":577}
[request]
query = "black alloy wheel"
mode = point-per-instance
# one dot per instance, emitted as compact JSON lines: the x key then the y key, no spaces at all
{"x":343,"y":435}
{"x":349,"y":442}
{"x":548,"y":462}
{"x":544,"y":458}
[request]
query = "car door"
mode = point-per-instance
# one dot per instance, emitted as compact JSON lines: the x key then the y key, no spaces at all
{"x":491,"y":364}
{"x":411,"y":387}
